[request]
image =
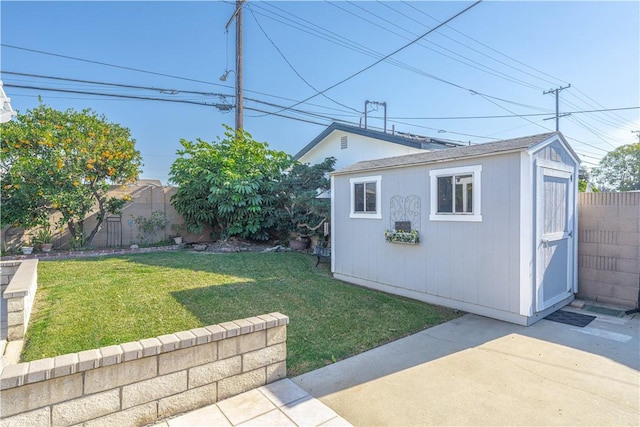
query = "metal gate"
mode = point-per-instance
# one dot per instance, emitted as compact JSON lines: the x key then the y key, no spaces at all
{"x":114,"y":231}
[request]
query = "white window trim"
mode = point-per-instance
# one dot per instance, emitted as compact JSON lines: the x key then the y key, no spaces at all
{"x":373,"y":215}
{"x":476,"y":216}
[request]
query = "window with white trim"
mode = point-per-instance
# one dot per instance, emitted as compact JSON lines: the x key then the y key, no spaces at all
{"x":455,"y":194}
{"x":365,"y":197}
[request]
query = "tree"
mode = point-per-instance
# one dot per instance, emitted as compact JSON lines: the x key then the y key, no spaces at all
{"x":300,"y":208}
{"x":619,"y":170}
{"x":229,"y":184}
{"x":64,"y":161}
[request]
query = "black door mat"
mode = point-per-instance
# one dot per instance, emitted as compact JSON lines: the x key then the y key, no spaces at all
{"x":570,"y":318}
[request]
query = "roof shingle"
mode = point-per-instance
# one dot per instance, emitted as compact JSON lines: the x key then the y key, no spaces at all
{"x":449,"y":153}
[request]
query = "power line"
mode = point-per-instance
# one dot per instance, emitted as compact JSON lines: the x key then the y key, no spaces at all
{"x":317,"y":115}
{"x":470,"y":63}
{"x":148,"y":72}
{"x":129,"y":86}
{"x":291,"y":65}
{"x":341,"y":41}
{"x":167,"y":91}
{"x":385,"y":4}
{"x":513,"y":115}
{"x":388,"y":55}
{"x":223,"y":107}
{"x":488,"y":47}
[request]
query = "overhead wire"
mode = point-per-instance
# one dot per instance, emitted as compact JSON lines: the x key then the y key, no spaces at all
{"x":147,"y":98}
{"x":174,"y":91}
{"x":291,"y":65}
{"x":407,"y":3}
{"x":371,"y":53}
{"x":443,"y":34}
{"x":152,"y":72}
{"x":386,"y":56}
{"x":141,"y":98}
{"x":471,"y":63}
{"x":208,"y":82}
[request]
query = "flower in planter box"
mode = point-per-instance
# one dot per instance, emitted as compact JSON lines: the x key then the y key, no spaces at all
{"x":402,"y":236}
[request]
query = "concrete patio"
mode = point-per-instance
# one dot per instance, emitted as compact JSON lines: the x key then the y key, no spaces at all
{"x":470,"y":371}
{"x":479,"y":371}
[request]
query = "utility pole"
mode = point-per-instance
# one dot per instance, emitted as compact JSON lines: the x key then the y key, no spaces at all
{"x":637,"y":132}
{"x":558,"y":115}
{"x":237,"y":14}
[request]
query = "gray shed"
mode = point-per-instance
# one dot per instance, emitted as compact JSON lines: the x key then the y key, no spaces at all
{"x":489,"y":229}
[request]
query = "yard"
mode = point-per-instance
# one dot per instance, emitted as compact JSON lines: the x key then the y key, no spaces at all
{"x":93,"y":302}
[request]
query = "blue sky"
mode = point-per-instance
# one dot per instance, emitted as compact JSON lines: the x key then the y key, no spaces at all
{"x":495,"y":59}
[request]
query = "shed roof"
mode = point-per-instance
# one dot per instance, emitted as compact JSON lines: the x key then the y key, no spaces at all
{"x":409,"y":140}
{"x":450,"y":153}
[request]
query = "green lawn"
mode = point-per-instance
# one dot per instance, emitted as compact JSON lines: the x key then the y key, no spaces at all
{"x":93,"y":302}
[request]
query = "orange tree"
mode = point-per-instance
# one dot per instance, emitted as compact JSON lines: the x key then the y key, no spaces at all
{"x":63,"y":161}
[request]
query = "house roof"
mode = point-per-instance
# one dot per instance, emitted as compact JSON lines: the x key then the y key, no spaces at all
{"x":450,"y":153}
{"x":406,"y":139}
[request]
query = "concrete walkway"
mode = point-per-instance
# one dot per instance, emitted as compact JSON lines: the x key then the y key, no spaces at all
{"x":277,"y":404}
{"x":479,"y":371}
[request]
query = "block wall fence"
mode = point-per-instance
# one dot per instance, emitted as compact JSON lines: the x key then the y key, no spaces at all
{"x":609,"y":248}
{"x":137,"y":383}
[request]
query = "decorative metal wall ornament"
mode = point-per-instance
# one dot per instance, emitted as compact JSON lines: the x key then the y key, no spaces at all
{"x":405,"y":209}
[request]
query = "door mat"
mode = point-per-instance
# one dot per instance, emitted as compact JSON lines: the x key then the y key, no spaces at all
{"x":570,"y":318}
{"x":604,"y":310}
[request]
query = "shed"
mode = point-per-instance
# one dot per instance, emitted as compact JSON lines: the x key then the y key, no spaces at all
{"x":495,"y":225}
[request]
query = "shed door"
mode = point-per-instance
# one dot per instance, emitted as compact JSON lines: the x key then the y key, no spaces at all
{"x":554,"y":233}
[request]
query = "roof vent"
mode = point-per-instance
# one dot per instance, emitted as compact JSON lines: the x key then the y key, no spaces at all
{"x":344,"y":143}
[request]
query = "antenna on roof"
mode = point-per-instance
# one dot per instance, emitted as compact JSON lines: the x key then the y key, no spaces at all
{"x":376,"y":103}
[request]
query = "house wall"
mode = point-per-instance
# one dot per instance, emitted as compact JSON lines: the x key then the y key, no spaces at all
{"x":609,"y":248}
{"x":359,"y":148}
{"x":473,"y":266}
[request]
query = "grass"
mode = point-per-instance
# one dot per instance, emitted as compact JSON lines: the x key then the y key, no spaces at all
{"x":89,"y":303}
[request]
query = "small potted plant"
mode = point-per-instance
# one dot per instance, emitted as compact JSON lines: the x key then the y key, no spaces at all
{"x":42,"y":238}
{"x":27,"y":250}
{"x":177,"y":229}
{"x":299,"y":243}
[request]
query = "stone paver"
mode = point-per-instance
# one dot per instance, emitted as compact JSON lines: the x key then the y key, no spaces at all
{"x":281,"y":403}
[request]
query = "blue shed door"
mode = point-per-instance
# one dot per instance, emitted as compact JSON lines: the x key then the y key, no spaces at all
{"x":554,"y":233}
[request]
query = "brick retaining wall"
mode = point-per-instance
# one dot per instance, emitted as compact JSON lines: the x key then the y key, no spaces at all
{"x":19,"y":294}
{"x":139,"y":382}
{"x":609,"y":248}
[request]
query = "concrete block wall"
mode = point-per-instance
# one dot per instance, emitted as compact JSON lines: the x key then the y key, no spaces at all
{"x":139,"y":382}
{"x":19,"y":295}
{"x":609,"y":248}
{"x":7,"y":270}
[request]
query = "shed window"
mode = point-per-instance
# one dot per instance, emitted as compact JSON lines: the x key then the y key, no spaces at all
{"x":455,"y":194}
{"x":365,"y":197}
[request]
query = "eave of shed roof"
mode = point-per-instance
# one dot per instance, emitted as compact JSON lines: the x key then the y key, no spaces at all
{"x":455,"y":153}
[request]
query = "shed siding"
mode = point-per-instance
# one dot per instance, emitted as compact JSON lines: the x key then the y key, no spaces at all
{"x":472,"y":262}
{"x":556,"y":153}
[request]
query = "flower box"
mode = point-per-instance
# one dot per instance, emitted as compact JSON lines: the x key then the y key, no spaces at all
{"x":410,"y":237}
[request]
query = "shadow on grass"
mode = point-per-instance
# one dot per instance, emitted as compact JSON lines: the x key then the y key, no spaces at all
{"x":329,"y":320}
